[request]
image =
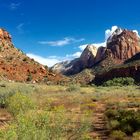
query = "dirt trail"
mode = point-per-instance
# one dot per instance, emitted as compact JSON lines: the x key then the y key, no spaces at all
{"x":100,"y":131}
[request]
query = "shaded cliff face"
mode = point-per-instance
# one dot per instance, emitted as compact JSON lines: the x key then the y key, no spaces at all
{"x":131,"y":69}
{"x":88,"y":56}
{"x":100,"y":54}
{"x":16,"y":66}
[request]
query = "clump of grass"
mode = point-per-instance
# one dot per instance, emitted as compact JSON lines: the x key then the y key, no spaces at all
{"x":73,"y":88}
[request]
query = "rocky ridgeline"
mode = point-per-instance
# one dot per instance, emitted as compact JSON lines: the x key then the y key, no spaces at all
{"x":120,"y":46}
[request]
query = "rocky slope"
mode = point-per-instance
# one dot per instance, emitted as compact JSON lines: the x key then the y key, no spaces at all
{"x":16,"y":66}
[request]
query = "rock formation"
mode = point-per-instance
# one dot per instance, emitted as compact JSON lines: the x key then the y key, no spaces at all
{"x":86,"y":60}
{"x":124,"y":45}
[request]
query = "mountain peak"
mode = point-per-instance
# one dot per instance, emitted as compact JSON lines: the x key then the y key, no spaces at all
{"x":4,"y":34}
{"x":117,"y":32}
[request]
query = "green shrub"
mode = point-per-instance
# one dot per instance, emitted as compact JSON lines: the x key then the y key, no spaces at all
{"x":118,"y":135}
{"x":19,"y":103}
{"x":128,"y":121}
{"x":114,"y":124}
{"x":2,"y":101}
{"x":120,"y":82}
{"x":29,"y":78}
{"x":72,"y":88}
{"x":25,"y":59}
{"x":136,"y":136}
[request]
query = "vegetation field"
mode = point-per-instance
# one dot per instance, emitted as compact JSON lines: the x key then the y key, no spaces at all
{"x":41,"y":112}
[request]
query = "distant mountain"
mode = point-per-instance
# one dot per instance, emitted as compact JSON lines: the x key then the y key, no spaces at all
{"x":16,"y":66}
{"x":86,"y":60}
{"x":120,"y":46}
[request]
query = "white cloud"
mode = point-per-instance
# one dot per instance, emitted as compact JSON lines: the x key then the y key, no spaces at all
{"x":44,"y":61}
{"x":109,"y":32}
{"x":59,"y":43}
{"x":51,"y":60}
{"x":14,"y":6}
{"x":20,"y":28}
{"x":82,"y":47}
{"x":74,"y":55}
{"x":135,"y":31}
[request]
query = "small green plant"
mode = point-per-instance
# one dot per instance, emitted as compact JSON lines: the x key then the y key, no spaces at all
{"x":0,"y":48}
{"x":73,"y":88}
{"x":29,"y":78}
{"x":25,"y":59}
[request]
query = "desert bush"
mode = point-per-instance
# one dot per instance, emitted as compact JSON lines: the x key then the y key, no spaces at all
{"x":73,"y":88}
{"x":2,"y":101}
{"x":114,"y":124}
{"x":128,"y":121}
{"x":29,"y":78}
{"x":118,"y":135}
{"x":25,"y":59}
{"x":19,"y":103}
{"x":120,"y":82}
{"x":136,"y":136}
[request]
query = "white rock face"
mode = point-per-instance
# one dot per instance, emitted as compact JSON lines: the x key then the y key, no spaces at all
{"x":89,"y":50}
{"x":60,"y":67}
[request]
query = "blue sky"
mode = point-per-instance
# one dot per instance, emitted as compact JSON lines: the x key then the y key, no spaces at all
{"x":52,"y":30}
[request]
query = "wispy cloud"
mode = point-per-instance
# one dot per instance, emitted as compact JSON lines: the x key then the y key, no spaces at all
{"x":59,"y":43}
{"x":20,"y":28}
{"x":14,"y":6}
